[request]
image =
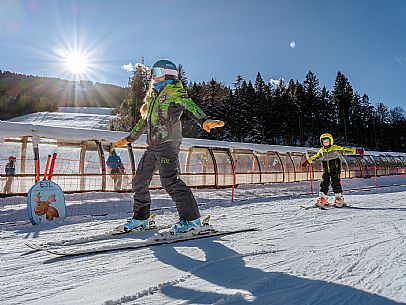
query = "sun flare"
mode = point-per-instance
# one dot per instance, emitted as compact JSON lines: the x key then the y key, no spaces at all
{"x":76,"y":63}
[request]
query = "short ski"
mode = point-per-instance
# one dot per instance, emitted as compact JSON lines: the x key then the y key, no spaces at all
{"x":329,"y":207}
{"x":150,"y":242}
{"x":119,"y":230}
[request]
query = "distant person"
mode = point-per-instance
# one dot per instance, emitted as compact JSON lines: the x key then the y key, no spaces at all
{"x":330,"y":157}
{"x":10,"y":173}
{"x":116,"y":169}
{"x":163,"y":106}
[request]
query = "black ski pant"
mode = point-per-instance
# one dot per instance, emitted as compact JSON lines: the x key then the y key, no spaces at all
{"x":331,"y":175}
{"x":165,"y":158}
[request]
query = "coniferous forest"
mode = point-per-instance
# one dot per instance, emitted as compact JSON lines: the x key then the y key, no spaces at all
{"x":294,"y":113}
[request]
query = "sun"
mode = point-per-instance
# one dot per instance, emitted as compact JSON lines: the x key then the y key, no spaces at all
{"x":76,"y":63}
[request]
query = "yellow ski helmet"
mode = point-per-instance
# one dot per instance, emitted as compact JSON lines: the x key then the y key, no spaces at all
{"x":326,"y":136}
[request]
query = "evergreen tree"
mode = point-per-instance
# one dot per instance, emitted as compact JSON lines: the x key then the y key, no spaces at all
{"x":138,"y":84}
{"x":182,"y":76}
{"x":128,"y":113}
{"x":260,"y":108}
{"x":342,"y":97}
{"x":311,"y":108}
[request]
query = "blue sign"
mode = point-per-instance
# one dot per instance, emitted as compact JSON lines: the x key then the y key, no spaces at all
{"x":46,"y":201}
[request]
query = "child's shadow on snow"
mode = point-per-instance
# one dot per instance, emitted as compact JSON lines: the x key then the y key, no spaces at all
{"x":239,"y":284}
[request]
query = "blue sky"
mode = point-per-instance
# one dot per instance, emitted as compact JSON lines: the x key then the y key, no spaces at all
{"x":219,"y":39}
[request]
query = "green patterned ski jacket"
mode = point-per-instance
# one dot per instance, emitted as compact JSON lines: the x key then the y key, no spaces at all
{"x":165,"y":108}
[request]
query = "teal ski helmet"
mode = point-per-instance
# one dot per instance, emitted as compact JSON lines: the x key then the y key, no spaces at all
{"x":165,"y":68}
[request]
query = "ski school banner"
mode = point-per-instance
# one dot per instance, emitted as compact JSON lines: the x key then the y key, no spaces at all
{"x":46,"y":201}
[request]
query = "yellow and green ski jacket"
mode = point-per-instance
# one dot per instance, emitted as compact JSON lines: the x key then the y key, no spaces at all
{"x":329,"y":154}
{"x":164,"y":109}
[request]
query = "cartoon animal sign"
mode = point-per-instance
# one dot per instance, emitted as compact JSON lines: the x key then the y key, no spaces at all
{"x":46,"y":202}
{"x":43,"y":207}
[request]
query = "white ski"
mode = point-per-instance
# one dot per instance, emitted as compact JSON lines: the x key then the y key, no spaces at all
{"x":150,"y":242}
{"x":119,"y":230}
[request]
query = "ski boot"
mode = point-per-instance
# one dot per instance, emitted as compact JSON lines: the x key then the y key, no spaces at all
{"x":322,"y":201}
{"x":139,"y":225}
{"x":183,"y":226}
{"x":339,"y":201}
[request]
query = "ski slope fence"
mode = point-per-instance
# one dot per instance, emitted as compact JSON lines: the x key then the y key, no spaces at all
{"x":203,"y":165}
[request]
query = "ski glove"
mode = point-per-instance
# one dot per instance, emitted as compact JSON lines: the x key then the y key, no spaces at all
{"x":121,"y":143}
{"x":209,"y":124}
{"x":305,"y":163}
{"x":359,"y":151}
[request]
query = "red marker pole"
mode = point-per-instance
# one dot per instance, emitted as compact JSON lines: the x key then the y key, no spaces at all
{"x":51,"y":168}
{"x":376,"y":182}
{"x":47,"y":167}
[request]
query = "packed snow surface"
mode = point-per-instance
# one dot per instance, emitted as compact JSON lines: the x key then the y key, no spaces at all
{"x":79,"y":117}
{"x":354,"y":255}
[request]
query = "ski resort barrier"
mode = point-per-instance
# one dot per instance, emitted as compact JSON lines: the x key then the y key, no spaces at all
{"x":81,"y":162}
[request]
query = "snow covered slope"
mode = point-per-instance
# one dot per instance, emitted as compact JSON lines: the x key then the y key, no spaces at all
{"x":80,"y":117}
{"x":353,"y":256}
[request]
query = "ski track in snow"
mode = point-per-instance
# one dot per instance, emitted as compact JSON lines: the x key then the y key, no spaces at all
{"x":354,"y":256}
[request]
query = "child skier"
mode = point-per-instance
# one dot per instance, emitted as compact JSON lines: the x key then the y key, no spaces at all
{"x":116,"y":167}
{"x":163,"y":106}
{"x":330,"y":153}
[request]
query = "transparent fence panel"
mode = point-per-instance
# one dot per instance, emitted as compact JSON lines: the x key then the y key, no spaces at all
{"x":367,"y":166}
{"x":66,"y":170}
{"x":225,"y":174}
{"x":197,"y":168}
{"x":380,"y":165}
{"x":288,"y":167}
{"x":271,"y":167}
{"x":301,"y":173}
{"x":247,"y":167}
{"x":354,"y":170}
{"x":395,"y":165}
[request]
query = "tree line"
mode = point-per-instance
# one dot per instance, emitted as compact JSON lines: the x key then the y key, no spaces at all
{"x":22,"y":94}
{"x":294,"y":113}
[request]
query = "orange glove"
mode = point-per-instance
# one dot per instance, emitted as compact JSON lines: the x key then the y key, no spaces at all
{"x":209,"y":124}
{"x":305,"y":163}
{"x":121,"y":143}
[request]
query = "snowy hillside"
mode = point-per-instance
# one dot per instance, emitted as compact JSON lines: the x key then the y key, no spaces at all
{"x":353,"y":256}
{"x":80,"y":117}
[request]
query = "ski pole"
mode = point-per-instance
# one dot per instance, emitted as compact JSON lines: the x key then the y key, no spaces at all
{"x":51,"y":168}
{"x":47,"y":167}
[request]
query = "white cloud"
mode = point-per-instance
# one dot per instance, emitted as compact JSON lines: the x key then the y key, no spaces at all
{"x":292,"y":44}
{"x":128,"y":67}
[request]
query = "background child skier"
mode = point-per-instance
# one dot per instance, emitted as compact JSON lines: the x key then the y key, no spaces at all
{"x":116,"y":167}
{"x":10,"y":173}
{"x":330,"y":156}
{"x":163,"y":106}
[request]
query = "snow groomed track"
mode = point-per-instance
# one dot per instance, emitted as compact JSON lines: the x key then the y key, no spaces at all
{"x":347,"y":256}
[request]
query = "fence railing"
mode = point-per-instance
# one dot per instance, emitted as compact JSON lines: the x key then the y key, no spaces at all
{"x":81,"y":167}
